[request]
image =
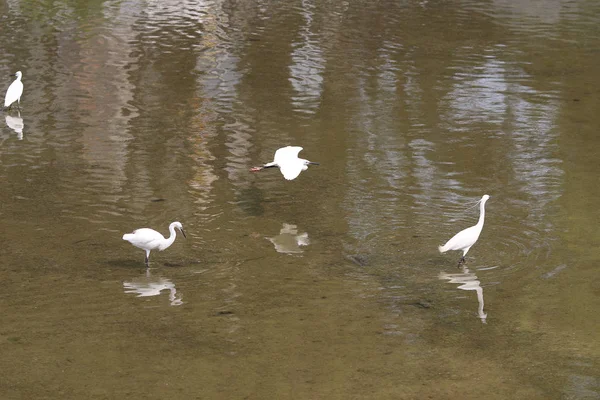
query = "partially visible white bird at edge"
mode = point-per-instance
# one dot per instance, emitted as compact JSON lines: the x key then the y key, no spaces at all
{"x":148,"y":239}
{"x":466,"y":238}
{"x":14,"y":92}
{"x":286,"y":158}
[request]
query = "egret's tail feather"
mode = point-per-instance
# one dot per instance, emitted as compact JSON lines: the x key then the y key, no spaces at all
{"x":127,"y":236}
{"x":442,"y":249}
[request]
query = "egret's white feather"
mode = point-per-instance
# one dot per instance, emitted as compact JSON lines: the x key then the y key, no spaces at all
{"x":14,"y":92}
{"x":285,"y":154}
{"x":291,"y":171}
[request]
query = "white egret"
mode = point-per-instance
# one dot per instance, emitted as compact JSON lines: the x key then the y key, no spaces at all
{"x":466,"y":238}
{"x":286,"y":158}
{"x":148,"y":239}
{"x":14,"y":92}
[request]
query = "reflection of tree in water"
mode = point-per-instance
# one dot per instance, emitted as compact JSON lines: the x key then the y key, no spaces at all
{"x":468,"y":281}
{"x":308,"y":64}
{"x":251,"y":200}
{"x":147,"y":285}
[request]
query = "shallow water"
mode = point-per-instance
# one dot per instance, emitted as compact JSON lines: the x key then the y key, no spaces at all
{"x":329,"y":286}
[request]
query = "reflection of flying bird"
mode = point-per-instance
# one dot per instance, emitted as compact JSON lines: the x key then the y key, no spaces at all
{"x":289,"y":241}
{"x":286,"y":158}
{"x":148,"y":239}
{"x":466,"y":238}
{"x":14,"y":92}
{"x":16,"y":124}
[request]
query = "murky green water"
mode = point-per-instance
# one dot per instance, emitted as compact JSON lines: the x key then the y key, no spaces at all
{"x":329,"y":286}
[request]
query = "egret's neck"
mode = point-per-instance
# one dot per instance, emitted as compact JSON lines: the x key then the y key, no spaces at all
{"x":169,"y":241}
{"x":481,"y":214}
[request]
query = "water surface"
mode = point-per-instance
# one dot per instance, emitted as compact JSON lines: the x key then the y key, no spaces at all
{"x":329,"y":286}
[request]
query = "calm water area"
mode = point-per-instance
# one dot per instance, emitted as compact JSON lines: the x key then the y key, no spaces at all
{"x":330,"y":286}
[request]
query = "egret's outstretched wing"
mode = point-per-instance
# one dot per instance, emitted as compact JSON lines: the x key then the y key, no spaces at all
{"x":292,"y":170}
{"x":289,"y":163}
{"x":286,"y":154}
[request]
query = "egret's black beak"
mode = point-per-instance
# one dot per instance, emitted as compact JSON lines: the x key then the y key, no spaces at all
{"x":182,"y":231}
{"x":313,"y":163}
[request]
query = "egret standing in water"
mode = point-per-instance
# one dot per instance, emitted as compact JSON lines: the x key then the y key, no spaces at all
{"x":466,"y":238}
{"x":148,"y":239}
{"x":14,"y":92}
{"x":286,"y":158}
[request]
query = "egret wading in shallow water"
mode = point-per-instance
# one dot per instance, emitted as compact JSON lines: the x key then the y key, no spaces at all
{"x":466,"y":238}
{"x":286,"y":158}
{"x":14,"y":92}
{"x":148,"y":239}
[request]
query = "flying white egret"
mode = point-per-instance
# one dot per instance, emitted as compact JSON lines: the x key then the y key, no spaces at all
{"x":466,"y":238}
{"x":286,"y":158}
{"x":14,"y":92}
{"x":148,"y":239}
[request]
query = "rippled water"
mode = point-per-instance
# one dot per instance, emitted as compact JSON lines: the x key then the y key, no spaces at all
{"x":329,"y":286}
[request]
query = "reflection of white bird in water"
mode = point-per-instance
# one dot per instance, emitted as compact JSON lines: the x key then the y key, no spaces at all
{"x":466,"y":238}
{"x":289,"y":241}
{"x":147,"y":286}
{"x":469,"y":282}
{"x":14,"y":92}
{"x":148,"y":239}
{"x":16,"y":124}
{"x":286,"y":158}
